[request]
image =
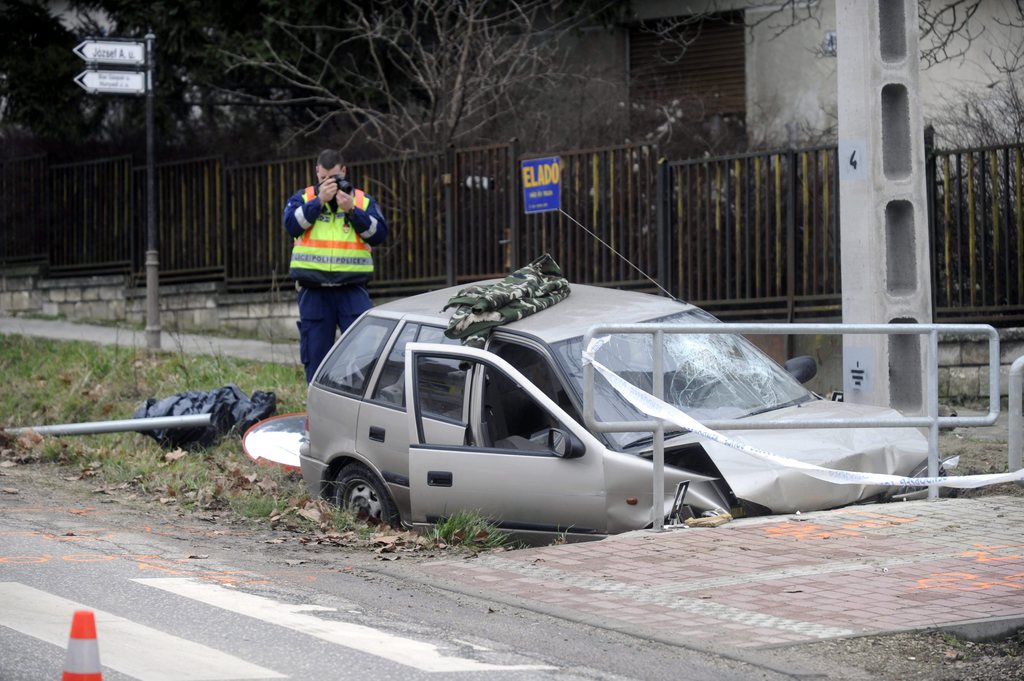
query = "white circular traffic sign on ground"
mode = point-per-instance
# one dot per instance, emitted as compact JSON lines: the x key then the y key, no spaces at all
{"x":275,"y":441}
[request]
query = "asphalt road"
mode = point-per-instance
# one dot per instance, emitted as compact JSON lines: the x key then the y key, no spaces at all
{"x":192,"y":601}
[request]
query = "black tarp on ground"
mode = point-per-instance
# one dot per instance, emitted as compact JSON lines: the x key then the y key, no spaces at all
{"x":229,"y":409}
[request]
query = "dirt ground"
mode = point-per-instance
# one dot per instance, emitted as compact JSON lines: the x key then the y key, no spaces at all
{"x":981,"y":450}
{"x":932,"y":656}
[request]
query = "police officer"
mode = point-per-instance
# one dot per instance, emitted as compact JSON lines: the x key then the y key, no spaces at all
{"x":334,"y":226}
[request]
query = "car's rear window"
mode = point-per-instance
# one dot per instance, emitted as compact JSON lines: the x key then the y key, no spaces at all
{"x":351,"y":362}
{"x":391,"y":384}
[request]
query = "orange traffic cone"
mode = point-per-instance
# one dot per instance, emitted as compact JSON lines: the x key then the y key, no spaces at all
{"x":83,"y":662}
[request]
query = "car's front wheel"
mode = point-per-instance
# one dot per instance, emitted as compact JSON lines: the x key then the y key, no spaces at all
{"x":358,"y":491}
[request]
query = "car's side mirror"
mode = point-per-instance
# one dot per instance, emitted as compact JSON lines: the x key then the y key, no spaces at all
{"x":564,"y":444}
{"x":802,"y":368}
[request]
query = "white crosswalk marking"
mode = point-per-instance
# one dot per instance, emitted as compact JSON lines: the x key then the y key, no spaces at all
{"x":417,"y":654}
{"x":125,"y":646}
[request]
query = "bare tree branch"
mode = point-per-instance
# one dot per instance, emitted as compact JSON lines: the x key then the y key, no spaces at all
{"x":419,"y":74}
{"x":780,"y":17}
{"x":1010,"y":59}
{"x":947,"y":30}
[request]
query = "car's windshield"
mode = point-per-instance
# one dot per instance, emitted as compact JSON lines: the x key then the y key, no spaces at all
{"x":708,"y":376}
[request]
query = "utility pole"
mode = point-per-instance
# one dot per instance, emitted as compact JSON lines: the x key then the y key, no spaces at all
{"x":883,"y":220}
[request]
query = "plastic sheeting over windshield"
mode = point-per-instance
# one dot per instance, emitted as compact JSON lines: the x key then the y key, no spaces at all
{"x":708,"y":376}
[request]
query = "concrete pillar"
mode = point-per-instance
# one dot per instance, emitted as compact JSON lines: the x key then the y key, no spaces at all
{"x":883,"y":215}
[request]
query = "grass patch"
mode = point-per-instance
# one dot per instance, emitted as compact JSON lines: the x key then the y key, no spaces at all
{"x":256,"y":505}
{"x":50,"y":382}
{"x":469,"y":529}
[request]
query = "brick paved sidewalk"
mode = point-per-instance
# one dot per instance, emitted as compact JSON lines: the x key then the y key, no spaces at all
{"x":777,"y":580}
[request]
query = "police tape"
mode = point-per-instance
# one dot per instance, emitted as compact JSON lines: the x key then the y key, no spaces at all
{"x":659,"y":409}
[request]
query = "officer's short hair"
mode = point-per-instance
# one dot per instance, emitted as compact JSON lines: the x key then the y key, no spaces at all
{"x":329,"y":158}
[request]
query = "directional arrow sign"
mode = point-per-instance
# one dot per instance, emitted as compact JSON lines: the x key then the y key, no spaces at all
{"x":112,"y":52}
{"x":113,"y":82}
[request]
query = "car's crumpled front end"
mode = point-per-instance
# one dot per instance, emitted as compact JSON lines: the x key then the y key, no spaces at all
{"x":722,"y":377}
{"x":628,"y":480}
{"x":891,"y":451}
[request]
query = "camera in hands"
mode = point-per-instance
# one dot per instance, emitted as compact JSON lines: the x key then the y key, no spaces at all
{"x":343,"y":185}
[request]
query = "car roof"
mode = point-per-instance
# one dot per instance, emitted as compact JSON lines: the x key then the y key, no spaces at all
{"x":585,"y":306}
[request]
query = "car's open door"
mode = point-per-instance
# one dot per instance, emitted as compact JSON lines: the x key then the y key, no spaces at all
{"x":483,"y":438}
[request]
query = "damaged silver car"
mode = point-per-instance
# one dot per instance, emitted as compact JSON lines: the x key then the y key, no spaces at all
{"x":408,"y":426}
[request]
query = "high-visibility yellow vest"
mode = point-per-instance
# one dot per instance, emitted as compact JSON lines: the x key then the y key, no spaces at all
{"x":331,"y":252}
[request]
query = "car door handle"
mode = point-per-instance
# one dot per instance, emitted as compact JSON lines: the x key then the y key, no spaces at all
{"x":439,"y":479}
{"x":376,"y":433}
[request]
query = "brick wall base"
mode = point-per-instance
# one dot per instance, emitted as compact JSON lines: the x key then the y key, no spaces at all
{"x":193,"y":308}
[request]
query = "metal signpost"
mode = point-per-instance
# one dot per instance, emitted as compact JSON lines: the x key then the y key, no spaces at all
{"x":122,"y":57}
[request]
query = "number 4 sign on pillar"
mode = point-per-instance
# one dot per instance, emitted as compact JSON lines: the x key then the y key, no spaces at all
{"x":853,"y":160}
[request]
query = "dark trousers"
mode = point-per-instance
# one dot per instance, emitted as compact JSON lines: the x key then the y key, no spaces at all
{"x":322,"y":312}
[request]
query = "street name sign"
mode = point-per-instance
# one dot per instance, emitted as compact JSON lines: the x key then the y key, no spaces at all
{"x":112,"y":82}
{"x":124,"y":53}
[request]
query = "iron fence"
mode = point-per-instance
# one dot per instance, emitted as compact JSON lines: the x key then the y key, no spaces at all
{"x":411,"y":195}
{"x":978,"y":233}
{"x":484,"y":218}
{"x":87,"y":216}
{"x":22,"y":195}
{"x":190,"y":217}
{"x":255,"y":203}
{"x":746,"y":236}
{"x":756,"y":234}
{"x":609,"y":209}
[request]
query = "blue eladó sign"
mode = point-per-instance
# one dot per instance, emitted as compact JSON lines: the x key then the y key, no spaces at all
{"x":542,"y":184}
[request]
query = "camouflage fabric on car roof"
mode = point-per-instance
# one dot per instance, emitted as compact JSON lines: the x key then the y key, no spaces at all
{"x":481,"y":307}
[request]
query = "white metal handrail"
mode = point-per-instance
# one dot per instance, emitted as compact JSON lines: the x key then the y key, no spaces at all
{"x":1015,"y":387}
{"x":931,"y":420}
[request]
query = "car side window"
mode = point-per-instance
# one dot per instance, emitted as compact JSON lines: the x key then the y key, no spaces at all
{"x":538,"y":369}
{"x":512,"y":418}
{"x":351,"y":362}
{"x":391,"y":384}
{"x":441,"y":387}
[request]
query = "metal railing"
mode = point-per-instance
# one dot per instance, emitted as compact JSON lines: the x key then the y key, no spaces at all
{"x":612,"y":193}
{"x":751,"y":236}
{"x":21,"y":239}
{"x":1016,"y":422}
{"x":88,"y":223}
{"x":756,"y":231}
{"x":930,"y":420}
{"x":976,"y":199}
